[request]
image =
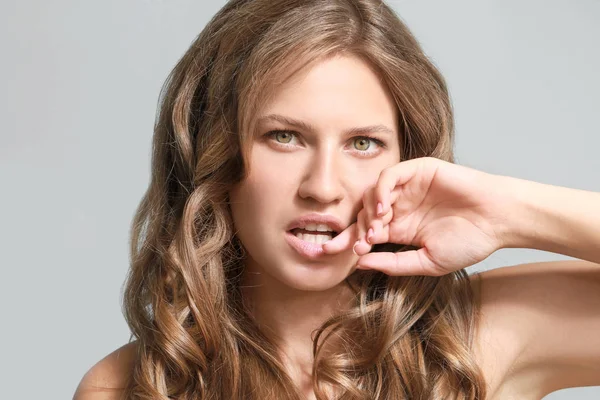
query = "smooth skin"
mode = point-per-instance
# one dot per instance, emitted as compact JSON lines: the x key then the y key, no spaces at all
{"x":540,"y":321}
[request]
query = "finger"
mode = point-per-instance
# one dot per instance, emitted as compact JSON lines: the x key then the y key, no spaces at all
{"x":370,"y":214}
{"x":361,"y":246}
{"x":381,"y":228}
{"x":404,"y":263}
{"x":396,"y":175}
{"x":343,"y":241}
{"x":373,"y":222}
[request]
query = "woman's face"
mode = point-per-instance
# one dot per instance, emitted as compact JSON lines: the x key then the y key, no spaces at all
{"x":311,"y":159}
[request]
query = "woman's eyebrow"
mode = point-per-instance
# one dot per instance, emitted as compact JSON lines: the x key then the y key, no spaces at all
{"x":378,"y":128}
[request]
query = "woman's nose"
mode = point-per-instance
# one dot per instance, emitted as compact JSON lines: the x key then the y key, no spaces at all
{"x":322,"y":180}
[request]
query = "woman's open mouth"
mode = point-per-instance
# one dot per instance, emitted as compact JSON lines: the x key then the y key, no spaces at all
{"x":317,"y":237}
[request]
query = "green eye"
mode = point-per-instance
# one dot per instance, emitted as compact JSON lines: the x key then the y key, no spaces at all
{"x":362,"y":144}
{"x":285,"y":137}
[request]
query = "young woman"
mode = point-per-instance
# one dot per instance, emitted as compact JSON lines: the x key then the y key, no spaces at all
{"x":305,"y":232}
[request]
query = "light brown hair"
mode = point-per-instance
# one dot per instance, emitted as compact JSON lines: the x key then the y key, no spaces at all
{"x":406,"y":337}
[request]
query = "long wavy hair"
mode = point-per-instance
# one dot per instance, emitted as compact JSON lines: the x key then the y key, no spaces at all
{"x":405,"y":338}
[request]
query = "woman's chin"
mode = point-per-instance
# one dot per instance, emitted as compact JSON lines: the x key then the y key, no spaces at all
{"x":314,"y":281}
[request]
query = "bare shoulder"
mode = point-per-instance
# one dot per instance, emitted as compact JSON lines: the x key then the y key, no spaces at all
{"x":108,"y":377}
{"x":537,"y":327}
{"x":500,"y":337}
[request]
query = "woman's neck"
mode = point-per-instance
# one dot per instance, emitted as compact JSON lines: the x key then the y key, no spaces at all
{"x":291,"y":316}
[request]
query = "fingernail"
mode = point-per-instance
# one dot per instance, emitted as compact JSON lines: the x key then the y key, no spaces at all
{"x":353,"y":247}
{"x":379,"y":209}
{"x":370,"y":234}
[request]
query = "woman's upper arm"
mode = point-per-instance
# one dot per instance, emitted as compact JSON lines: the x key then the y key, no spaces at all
{"x":108,"y":377}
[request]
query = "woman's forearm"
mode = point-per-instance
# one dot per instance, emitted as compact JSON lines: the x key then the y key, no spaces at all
{"x":551,"y":218}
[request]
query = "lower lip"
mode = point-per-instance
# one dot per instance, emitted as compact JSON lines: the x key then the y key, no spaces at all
{"x":305,"y":249}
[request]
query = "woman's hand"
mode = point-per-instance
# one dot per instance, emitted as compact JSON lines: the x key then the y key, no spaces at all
{"x":455,"y":214}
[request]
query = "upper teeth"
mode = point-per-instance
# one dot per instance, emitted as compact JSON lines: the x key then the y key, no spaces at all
{"x":318,"y":228}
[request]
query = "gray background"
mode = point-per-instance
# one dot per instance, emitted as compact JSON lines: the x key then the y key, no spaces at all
{"x":80,"y":83}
